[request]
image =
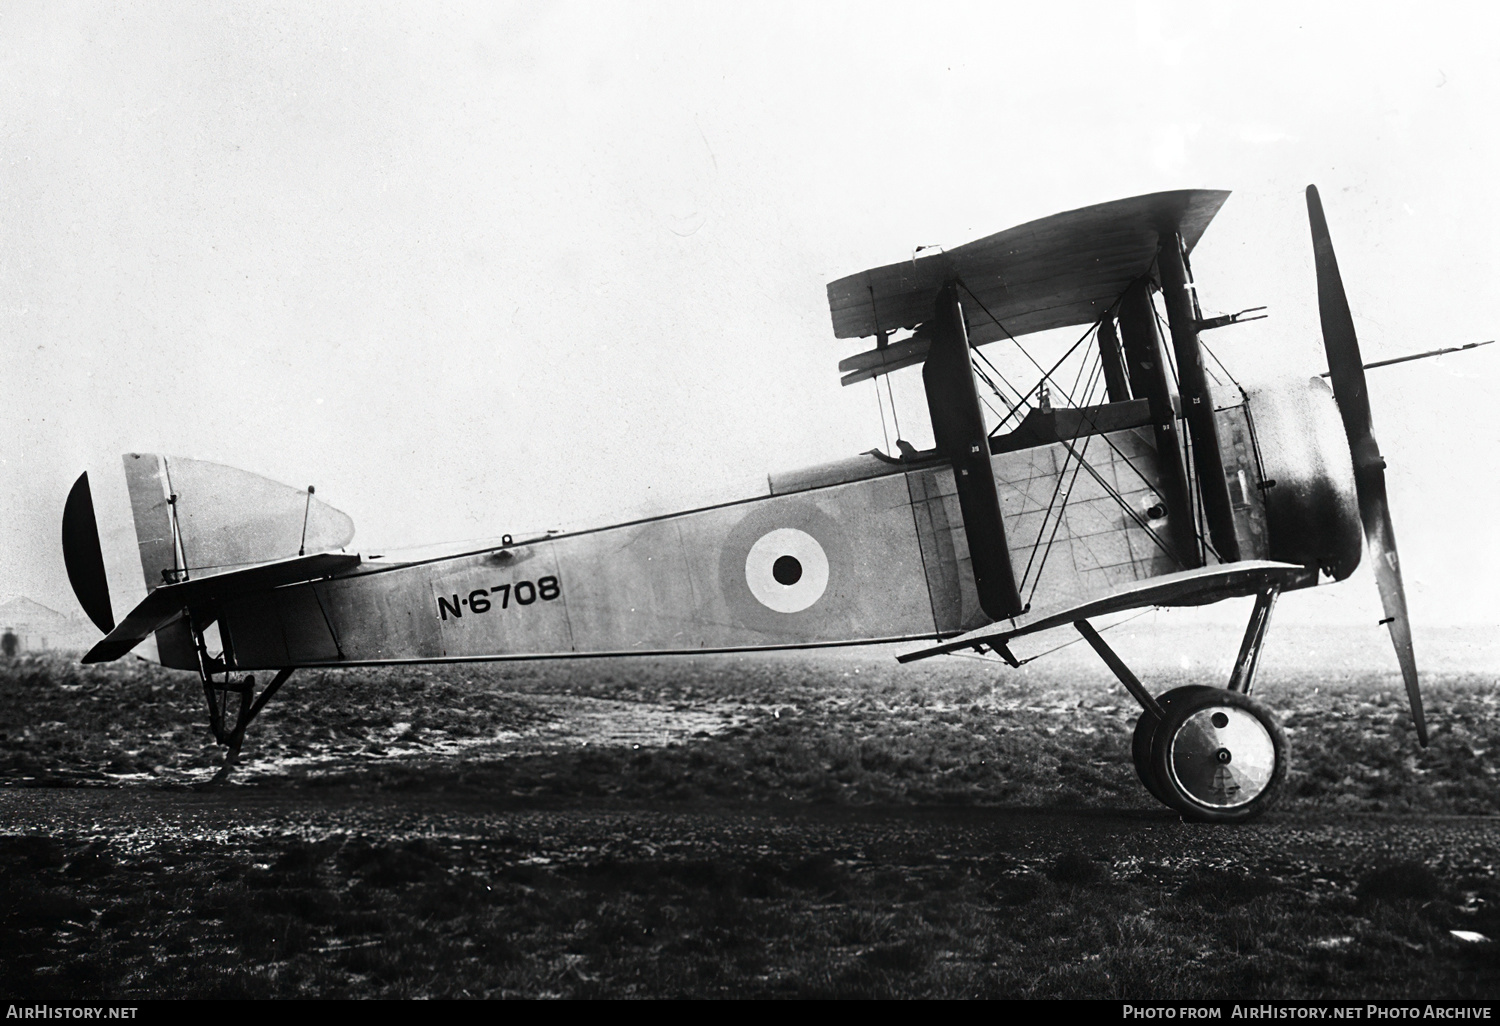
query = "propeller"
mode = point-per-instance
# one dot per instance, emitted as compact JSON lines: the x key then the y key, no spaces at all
{"x":1347,"y":373}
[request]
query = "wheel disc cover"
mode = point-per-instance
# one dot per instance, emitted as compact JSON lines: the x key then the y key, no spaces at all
{"x":1222,"y":757}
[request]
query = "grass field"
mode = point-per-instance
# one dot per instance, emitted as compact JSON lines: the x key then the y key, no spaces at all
{"x":825,"y":824}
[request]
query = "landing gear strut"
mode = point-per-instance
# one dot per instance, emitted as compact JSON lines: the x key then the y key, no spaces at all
{"x":1212,"y":754}
{"x":217,"y":694}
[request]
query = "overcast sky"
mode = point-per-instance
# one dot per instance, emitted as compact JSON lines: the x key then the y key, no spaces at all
{"x":482,"y":268}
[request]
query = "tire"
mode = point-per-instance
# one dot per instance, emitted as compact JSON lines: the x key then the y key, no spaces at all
{"x":1145,"y":730}
{"x":1219,"y":757}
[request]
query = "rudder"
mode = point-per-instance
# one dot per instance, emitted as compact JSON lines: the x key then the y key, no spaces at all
{"x":194,"y":518}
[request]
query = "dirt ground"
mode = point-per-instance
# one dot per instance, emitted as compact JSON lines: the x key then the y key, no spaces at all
{"x":777,"y":825}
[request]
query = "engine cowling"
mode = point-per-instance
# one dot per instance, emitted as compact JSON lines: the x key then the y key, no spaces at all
{"x":1312,"y":509}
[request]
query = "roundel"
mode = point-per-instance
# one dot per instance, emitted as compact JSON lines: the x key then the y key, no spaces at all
{"x":786,"y":570}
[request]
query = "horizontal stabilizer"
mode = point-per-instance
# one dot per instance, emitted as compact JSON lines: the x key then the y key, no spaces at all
{"x":168,"y":602}
{"x":1185,"y":588}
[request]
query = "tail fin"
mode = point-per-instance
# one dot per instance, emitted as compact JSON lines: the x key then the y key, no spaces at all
{"x":194,"y":518}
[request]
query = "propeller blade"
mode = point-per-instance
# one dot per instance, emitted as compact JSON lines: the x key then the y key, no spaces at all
{"x":1345,"y":367}
{"x":1347,"y":374}
{"x":1380,"y":538}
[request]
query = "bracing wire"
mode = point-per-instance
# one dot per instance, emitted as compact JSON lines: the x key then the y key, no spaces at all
{"x":1097,"y":367}
{"x":1083,"y":365}
{"x":1057,"y":523}
{"x":896,"y":420}
{"x":881,"y":403}
{"x":1056,"y":648}
{"x":998,"y":394}
{"x":1195,"y":485}
{"x":1046,"y":516}
{"x":996,"y":371}
{"x":1170,"y":353}
{"x":1200,"y":527}
{"x":989,"y":406}
{"x":1046,"y":375}
{"x":1238,"y":387}
{"x":1109,"y":489}
{"x":1260,"y":465}
{"x":1119,"y":499}
{"x":1026,"y":575}
{"x":890,"y":393}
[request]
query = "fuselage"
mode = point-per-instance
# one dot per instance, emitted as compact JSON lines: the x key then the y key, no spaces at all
{"x":861,"y":551}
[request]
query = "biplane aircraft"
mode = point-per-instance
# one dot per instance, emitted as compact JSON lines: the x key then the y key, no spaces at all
{"x":1140,"y":484}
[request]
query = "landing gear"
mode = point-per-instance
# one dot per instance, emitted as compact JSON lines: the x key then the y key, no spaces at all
{"x":217,"y":692}
{"x":1218,"y":757}
{"x":251,"y":704}
{"x":1145,"y":732}
{"x":1212,"y":754}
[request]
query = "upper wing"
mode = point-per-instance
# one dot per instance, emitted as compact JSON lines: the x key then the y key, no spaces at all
{"x":1057,"y":271}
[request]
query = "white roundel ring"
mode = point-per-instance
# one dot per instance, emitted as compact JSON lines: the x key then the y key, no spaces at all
{"x":787,"y":570}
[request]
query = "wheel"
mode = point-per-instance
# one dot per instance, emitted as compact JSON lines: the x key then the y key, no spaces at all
{"x":1145,"y":730}
{"x":1219,"y":757}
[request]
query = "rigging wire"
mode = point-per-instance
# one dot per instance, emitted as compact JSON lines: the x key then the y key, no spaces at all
{"x":894,"y":419}
{"x":1109,"y":489}
{"x":980,"y":353}
{"x":1057,"y":524}
{"x":1066,"y":644}
{"x":989,"y":406}
{"x":1119,"y":499}
{"x":1170,"y":352}
{"x":1082,"y":365}
{"x":881,"y":403}
{"x":1046,"y":515}
{"x":1045,"y":374}
{"x":1238,"y":387}
{"x":998,"y":394}
{"x":1195,"y":483}
{"x":1057,"y":648}
{"x":1115,"y":494}
{"x":1091,"y":330}
{"x":875,"y":316}
{"x":1062,"y":473}
{"x":1260,"y":465}
{"x":1200,"y":519}
{"x":988,"y":381}
{"x":1195,"y":496}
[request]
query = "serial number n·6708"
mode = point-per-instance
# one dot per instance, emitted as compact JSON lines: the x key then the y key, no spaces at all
{"x":503,"y":596}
